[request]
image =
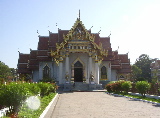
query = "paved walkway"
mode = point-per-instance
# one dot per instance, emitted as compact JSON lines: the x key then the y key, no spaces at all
{"x":100,"y":105}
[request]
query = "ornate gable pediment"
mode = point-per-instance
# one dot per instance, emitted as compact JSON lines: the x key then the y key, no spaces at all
{"x":77,"y":32}
{"x":78,"y":35}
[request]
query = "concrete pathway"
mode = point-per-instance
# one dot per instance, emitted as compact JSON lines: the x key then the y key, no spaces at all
{"x":100,"y":105}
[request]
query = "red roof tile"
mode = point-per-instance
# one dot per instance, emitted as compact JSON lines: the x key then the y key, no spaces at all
{"x":23,"y":58}
{"x":46,"y":44}
{"x":105,"y":42}
{"x":33,"y":54}
{"x":60,"y":34}
{"x":43,"y":43}
{"x":124,"y":58}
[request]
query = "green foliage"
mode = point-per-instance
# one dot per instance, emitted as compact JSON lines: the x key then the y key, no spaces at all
{"x":140,"y":97}
{"x":114,"y":86}
{"x":140,"y":79}
{"x":47,"y":79}
{"x":5,"y":71}
{"x":126,"y":86}
{"x":136,"y":72}
{"x":108,"y":87}
{"x":142,"y":87}
{"x":33,"y":88}
{"x":13,"y":94}
{"x":46,"y":88}
{"x":25,"y":112}
{"x":111,"y":82}
{"x":155,"y":80}
{"x":143,"y":62}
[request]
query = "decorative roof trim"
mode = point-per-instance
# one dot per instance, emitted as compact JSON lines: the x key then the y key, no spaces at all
{"x":22,"y":63}
{"x":87,"y":36}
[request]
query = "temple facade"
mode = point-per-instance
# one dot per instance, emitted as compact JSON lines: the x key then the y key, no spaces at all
{"x":74,"y":55}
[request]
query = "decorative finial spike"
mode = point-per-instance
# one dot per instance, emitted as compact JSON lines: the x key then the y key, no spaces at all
{"x":99,"y":31}
{"x":109,"y":34}
{"x":38,"y":33}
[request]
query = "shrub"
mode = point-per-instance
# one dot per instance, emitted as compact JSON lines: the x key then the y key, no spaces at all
{"x":47,"y":79}
{"x":108,"y":87}
{"x":143,"y":87}
{"x":126,"y":86}
{"x":33,"y":88}
{"x":111,"y":82}
{"x":114,"y":86}
{"x":12,"y":95}
{"x":46,"y":88}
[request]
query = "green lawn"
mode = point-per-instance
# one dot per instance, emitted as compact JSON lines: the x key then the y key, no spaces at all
{"x":26,"y":112}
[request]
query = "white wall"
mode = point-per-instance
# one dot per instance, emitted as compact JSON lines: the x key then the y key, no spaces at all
{"x":42,"y":65}
{"x":35,"y":76}
{"x":106,"y":64}
{"x":114,"y":74}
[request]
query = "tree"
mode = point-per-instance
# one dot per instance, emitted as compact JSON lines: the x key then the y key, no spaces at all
{"x":136,"y":72}
{"x":143,"y":62}
{"x":5,"y":71}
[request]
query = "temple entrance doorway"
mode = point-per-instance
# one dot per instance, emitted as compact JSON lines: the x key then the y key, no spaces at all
{"x":78,"y":72}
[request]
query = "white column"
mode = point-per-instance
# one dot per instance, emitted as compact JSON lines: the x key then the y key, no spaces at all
{"x":96,"y":72}
{"x":109,"y":71}
{"x":60,"y":70}
{"x":67,"y":67}
{"x":90,"y":64}
{"x":90,"y":68}
{"x":67,"y":64}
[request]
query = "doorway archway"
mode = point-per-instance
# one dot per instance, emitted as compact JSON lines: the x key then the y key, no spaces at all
{"x":78,"y":72}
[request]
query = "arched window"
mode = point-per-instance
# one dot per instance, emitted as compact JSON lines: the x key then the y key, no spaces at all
{"x":103,"y":73}
{"x":46,"y":72}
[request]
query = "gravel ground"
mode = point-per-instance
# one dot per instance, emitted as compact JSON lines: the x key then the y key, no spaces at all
{"x":101,"y":105}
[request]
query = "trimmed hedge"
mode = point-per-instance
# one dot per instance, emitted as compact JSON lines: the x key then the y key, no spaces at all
{"x":115,"y":86}
{"x":126,"y":86}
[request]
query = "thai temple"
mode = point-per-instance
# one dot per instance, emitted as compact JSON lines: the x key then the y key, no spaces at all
{"x":75,"y":55}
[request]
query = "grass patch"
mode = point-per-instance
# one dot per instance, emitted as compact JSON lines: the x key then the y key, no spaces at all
{"x":140,"y":97}
{"x":26,"y":112}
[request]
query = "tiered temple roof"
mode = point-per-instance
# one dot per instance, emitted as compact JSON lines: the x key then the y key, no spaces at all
{"x":29,"y":62}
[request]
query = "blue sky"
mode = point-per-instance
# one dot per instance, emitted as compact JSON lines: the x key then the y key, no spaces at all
{"x":134,"y":24}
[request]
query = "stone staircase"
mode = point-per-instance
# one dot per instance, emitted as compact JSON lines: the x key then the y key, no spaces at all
{"x":80,"y":86}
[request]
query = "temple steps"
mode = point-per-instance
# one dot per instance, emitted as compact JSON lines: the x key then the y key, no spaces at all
{"x":80,"y":86}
